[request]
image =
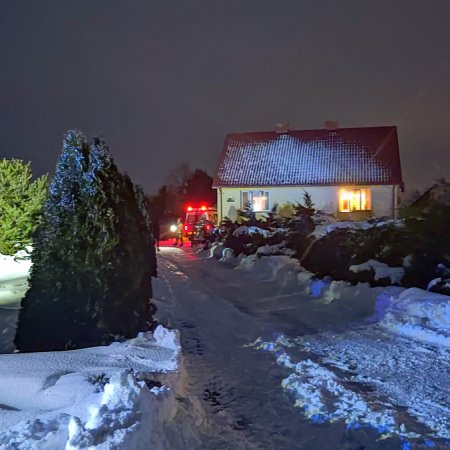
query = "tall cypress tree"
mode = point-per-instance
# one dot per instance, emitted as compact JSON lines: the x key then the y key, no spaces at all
{"x":90,"y":279}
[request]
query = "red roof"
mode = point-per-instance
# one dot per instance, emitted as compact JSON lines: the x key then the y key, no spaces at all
{"x":346,"y":156}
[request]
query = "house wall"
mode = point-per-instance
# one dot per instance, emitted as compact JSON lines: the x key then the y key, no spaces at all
{"x":325,"y":198}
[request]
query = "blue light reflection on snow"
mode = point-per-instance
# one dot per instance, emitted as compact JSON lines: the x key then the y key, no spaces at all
{"x":278,"y":347}
{"x":382,"y":301}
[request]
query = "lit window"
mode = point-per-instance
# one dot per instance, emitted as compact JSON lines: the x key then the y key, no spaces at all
{"x":354,"y":200}
{"x":259,"y":200}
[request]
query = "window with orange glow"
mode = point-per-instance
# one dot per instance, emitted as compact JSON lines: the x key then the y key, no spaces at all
{"x":354,"y":200}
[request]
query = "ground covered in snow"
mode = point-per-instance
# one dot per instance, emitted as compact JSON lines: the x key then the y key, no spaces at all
{"x":114,"y":396}
{"x":14,"y":271}
{"x":334,"y":366}
{"x":388,"y":372}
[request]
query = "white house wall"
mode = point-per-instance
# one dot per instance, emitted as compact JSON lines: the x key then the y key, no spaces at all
{"x":324,"y":198}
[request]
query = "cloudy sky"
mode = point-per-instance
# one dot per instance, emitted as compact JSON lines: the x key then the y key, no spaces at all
{"x":164,"y":81}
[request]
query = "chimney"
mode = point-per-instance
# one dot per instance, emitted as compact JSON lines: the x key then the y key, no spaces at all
{"x":331,"y":124}
{"x":282,"y":128}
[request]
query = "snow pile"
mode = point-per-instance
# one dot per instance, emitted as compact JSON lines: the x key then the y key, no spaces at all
{"x":126,"y":407}
{"x":420,"y":315}
{"x":216,"y":250}
{"x":14,"y":272}
{"x":287,"y":271}
{"x":95,"y":397}
{"x":381,"y":270}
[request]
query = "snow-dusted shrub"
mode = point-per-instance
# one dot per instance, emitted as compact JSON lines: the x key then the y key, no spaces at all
{"x":93,"y":256}
{"x":336,"y":252}
{"x":298,"y":236}
{"x":429,"y":245}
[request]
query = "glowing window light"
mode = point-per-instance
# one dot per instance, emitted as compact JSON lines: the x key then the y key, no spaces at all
{"x":354,"y":200}
{"x":258,"y":200}
{"x":259,"y":203}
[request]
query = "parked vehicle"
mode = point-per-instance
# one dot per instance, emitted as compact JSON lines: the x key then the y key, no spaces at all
{"x":199,"y":223}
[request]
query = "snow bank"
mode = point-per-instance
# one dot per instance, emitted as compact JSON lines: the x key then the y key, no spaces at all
{"x":287,"y":271}
{"x":381,"y":270}
{"x":96,"y":397}
{"x":420,"y":315}
{"x":216,"y":250}
{"x":14,"y":272}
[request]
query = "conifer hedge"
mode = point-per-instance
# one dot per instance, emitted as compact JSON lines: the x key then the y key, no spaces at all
{"x":93,"y":256}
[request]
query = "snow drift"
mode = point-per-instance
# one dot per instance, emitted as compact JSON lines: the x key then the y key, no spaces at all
{"x":108,"y":397}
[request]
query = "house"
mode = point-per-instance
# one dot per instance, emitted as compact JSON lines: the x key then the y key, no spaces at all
{"x":354,"y":173}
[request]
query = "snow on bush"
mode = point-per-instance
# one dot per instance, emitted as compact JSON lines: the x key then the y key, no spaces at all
{"x":381,"y":270}
{"x":322,"y":229}
{"x":244,"y":229}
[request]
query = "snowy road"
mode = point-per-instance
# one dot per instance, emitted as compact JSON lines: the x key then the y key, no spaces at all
{"x":232,"y":396}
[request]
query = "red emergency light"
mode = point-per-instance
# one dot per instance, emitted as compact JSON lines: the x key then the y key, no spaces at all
{"x":203,"y":208}
{"x":189,"y":208}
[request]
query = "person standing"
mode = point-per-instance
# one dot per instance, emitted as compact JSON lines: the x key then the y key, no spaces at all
{"x":156,"y":232}
{"x":179,"y":238}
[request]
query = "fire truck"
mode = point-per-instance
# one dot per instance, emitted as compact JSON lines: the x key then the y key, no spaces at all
{"x":199,"y":221}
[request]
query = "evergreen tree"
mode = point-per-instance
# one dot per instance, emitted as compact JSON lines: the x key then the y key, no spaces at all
{"x":91,"y":271}
{"x":198,"y":188}
{"x":307,"y":200}
{"x":21,"y":202}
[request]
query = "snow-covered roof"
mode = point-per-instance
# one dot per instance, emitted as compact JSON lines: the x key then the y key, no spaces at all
{"x":346,"y":156}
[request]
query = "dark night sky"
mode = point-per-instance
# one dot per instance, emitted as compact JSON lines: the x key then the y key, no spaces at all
{"x":164,"y":81}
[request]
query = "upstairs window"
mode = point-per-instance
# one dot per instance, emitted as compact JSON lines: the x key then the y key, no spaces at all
{"x":259,"y":200}
{"x":354,"y":200}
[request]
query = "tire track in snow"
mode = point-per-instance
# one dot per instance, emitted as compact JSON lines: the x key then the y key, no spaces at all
{"x":233,"y":396}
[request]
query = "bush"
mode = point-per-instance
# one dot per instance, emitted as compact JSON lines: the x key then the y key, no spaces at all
{"x":93,"y":256}
{"x":21,"y":203}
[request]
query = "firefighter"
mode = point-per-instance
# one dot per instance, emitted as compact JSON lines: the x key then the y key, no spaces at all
{"x":179,"y":237}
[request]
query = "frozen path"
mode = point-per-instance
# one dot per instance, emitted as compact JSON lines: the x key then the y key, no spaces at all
{"x":233,"y":397}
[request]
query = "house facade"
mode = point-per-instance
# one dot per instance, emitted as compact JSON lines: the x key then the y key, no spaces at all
{"x":353,"y":173}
